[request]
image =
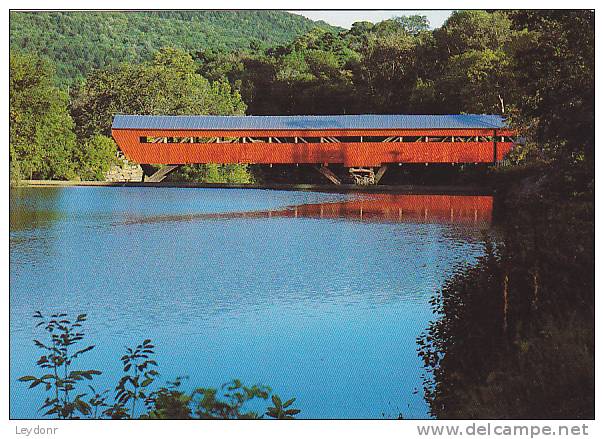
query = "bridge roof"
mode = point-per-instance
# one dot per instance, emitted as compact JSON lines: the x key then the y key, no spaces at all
{"x":339,"y":122}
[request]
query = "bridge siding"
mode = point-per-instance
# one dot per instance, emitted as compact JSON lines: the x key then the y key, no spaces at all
{"x":348,"y":154}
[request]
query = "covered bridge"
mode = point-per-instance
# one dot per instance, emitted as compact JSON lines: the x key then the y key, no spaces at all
{"x":357,"y":142}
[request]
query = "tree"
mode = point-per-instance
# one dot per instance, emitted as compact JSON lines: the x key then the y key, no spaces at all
{"x":78,"y":42}
{"x":555,"y":65}
{"x":388,"y":71}
{"x":468,"y":62}
{"x":95,"y":156}
{"x":413,"y":24}
{"x":477,"y":81}
{"x":473,"y":30}
{"x":168,"y":85}
{"x":42,"y":142}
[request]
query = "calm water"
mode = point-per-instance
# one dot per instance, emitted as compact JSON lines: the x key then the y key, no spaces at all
{"x":321,"y":296}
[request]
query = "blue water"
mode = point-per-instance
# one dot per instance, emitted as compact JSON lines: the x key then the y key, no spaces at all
{"x":327,"y":310}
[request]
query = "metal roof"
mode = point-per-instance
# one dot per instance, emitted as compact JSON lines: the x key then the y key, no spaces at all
{"x":366,"y":121}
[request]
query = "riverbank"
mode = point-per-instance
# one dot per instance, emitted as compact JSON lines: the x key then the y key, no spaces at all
{"x":344,"y":188}
{"x":510,"y":326}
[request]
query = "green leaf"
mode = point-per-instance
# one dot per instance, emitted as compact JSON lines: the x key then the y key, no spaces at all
{"x":27,"y":378}
{"x":288,"y":402}
{"x":55,"y":409}
{"x":82,"y":406}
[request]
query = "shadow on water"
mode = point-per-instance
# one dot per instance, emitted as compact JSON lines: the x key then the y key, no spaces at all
{"x":31,"y":208}
{"x":388,"y":208}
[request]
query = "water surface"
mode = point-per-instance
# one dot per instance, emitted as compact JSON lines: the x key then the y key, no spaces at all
{"x":320,"y":296}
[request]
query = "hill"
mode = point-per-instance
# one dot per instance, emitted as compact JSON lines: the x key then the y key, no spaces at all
{"x":80,"y":41}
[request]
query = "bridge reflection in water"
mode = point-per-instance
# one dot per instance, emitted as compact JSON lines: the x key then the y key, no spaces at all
{"x":400,"y":208}
{"x":415,"y":208}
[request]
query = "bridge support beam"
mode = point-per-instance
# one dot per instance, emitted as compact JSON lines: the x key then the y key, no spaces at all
{"x":380,"y":173}
{"x":327,"y":173}
{"x":159,"y":175}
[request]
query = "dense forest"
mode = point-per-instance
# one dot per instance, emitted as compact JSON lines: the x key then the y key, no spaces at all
{"x":78,"y":42}
{"x":513,"y":335}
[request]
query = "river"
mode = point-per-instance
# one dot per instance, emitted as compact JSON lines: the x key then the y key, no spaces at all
{"x":321,"y":296}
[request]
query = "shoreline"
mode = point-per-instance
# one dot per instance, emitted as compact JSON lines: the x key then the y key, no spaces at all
{"x":344,"y":188}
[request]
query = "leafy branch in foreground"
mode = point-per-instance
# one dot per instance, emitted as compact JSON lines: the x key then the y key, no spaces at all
{"x":59,"y":355}
{"x":132,"y":387}
{"x":140,"y":372}
{"x":280,"y":410}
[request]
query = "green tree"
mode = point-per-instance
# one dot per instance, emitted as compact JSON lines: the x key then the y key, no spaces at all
{"x":413,"y":24}
{"x":514,"y":333}
{"x":42,"y":142}
{"x":468,"y":62}
{"x":78,"y":42}
{"x":95,"y":156}
{"x":387,"y":72}
{"x":476,"y":81}
{"x":473,"y":30}
{"x":555,"y":72}
{"x":168,"y":85}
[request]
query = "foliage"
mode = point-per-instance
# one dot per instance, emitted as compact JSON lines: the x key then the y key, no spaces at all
{"x":213,"y":173}
{"x":135,"y":386}
{"x":169,"y":403}
{"x":95,"y":157}
{"x":395,"y":66}
{"x":517,"y":321}
{"x":555,"y":68}
{"x":280,"y":409}
{"x":78,"y":42}
{"x":42,"y":140}
{"x":42,"y":143}
{"x":413,"y":24}
{"x":227,"y":403}
{"x":478,"y":80}
{"x":132,"y":387}
{"x":473,"y":30}
{"x":61,"y":379}
{"x":167,"y":85}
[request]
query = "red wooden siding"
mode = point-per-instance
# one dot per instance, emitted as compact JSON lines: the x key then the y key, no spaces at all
{"x":348,"y":154}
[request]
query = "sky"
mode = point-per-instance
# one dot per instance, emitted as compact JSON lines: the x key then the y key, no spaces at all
{"x":346,"y":18}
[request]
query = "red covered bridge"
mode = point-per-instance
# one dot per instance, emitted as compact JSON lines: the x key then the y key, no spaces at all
{"x":361,"y":143}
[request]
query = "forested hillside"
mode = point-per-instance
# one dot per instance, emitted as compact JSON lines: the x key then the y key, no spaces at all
{"x":396,"y":66}
{"x":78,"y":42}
